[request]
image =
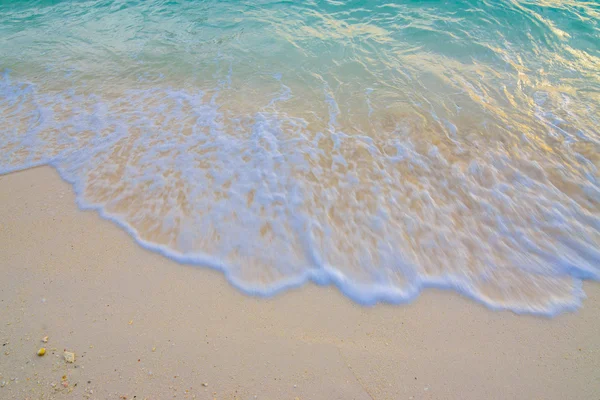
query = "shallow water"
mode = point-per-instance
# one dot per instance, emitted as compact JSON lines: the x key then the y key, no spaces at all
{"x":381,"y":146}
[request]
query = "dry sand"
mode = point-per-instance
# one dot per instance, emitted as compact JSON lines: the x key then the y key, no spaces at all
{"x":144,"y":327}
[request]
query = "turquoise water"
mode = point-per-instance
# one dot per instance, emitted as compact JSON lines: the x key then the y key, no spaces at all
{"x":381,"y":146}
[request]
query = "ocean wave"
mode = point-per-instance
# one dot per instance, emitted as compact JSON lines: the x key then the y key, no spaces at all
{"x":377,"y":150}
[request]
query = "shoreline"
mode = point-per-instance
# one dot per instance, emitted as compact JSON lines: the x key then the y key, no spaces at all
{"x":357,"y":293}
{"x":83,"y":282}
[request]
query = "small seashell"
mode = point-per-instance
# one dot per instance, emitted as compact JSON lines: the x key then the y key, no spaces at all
{"x":69,"y":356}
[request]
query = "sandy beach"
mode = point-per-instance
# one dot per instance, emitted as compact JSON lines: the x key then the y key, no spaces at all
{"x":143,"y":327}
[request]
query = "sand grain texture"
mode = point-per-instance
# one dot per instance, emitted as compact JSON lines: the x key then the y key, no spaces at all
{"x":142,"y":326}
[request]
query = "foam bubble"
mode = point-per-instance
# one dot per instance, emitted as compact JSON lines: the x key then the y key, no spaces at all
{"x":273,"y":203}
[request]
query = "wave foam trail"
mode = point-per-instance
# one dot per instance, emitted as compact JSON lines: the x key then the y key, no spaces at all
{"x":330,"y":146}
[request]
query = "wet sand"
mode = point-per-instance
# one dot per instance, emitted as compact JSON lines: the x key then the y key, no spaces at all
{"x":142,"y":326}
